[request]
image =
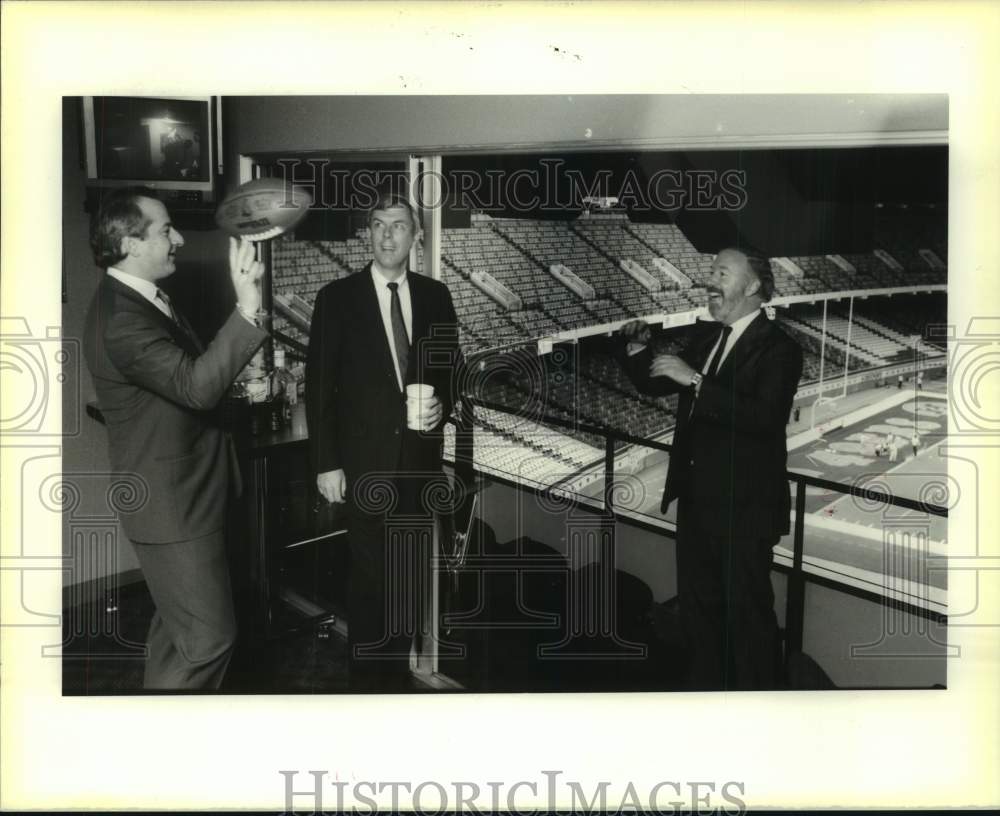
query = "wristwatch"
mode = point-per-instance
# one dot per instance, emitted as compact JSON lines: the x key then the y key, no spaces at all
{"x":256,"y":318}
{"x":696,"y":379}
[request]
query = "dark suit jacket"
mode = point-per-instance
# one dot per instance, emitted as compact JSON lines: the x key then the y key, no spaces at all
{"x":158,"y":389}
{"x":355,"y":409}
{"x":729,"y":450}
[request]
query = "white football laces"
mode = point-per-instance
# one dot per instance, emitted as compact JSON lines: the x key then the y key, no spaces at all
{"x":267,"y":234}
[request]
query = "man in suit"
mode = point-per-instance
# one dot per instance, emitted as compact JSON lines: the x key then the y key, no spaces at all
{"x":736,"y":379}
{"x":158,"y":388}
{"x":372,"y":334}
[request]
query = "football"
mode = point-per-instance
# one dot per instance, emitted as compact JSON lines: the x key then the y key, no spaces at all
{"x":263,"y":208}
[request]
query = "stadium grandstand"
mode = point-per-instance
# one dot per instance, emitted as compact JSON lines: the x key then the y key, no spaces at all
{"x":541,"y":346}
{"x":548,"y":247}
{"x":814,"y":296}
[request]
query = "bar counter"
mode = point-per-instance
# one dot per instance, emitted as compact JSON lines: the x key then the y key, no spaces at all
{"x":277,"y":511}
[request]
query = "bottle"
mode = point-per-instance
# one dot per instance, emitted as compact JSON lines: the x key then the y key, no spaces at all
{"x":255,"y":386}
{"x":255,"y":379}
{"x":284,"y":391}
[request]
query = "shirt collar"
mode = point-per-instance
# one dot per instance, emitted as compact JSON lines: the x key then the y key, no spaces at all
{"x":741,"y":326}
{"x":381,"y":280}
{"x":146,"y":288}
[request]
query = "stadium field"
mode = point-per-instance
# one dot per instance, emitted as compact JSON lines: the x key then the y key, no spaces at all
{"x":847,"y":455}
{"x":843,"y":530}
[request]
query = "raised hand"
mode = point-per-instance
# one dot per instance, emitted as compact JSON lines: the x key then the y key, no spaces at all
{"x":246,"y":274}
{"x":636,"y":331}
{"x":672,"y":366}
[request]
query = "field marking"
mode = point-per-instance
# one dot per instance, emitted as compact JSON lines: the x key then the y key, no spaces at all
{"x":923,"y":452}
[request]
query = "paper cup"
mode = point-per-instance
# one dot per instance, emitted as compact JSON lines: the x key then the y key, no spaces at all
{"x":417,"y":395}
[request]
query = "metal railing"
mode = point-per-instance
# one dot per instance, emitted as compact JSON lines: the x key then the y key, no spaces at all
{"x":795,"y":597}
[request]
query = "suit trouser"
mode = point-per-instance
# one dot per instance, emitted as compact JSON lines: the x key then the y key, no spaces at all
{"x":193,"y":631}
{"x":389,"y":587}
{"x":726,"y":606}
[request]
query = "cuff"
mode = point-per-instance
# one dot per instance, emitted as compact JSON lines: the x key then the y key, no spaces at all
{"x":255,"y":319}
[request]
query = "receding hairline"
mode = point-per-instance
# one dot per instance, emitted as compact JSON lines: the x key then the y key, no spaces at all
{"x":734,"y":251}
{"x":747,"y":258}
{"x":147,"y":217}
{"x":399,"y":205}
{"x":757,"y":268}
{"x":388,"y":209}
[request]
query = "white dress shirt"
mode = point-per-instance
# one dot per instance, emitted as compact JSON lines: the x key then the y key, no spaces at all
{"x":146,"y":288}
{"x":739,"y":327}
{"x":380,"y":281}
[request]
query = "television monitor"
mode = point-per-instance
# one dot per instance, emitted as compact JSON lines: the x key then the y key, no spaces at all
{"x":166,"y":143}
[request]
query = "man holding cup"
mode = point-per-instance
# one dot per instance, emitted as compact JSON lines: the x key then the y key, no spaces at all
{"x":380,"y":383}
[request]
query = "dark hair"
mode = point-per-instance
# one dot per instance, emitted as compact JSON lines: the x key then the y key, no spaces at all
{"x":118,"y":217}
{"x":761,"y":267}
{"x":387,"y":199}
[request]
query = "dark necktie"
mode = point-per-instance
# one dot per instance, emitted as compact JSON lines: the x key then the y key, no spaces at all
{"x":713,"y":367}
{"x":399,"y":338}
{"x":162,"y":297}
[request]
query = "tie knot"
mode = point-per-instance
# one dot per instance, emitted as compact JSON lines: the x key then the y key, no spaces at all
{"x":165,"y":300}
{"x":726,"y":331}
{"x":393,"y":287}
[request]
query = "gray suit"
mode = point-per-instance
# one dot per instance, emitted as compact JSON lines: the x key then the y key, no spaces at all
{"x":158,"y":389}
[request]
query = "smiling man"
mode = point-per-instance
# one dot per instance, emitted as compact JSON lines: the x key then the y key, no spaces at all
{"x":158,"y":387}
{"x":736,"y":379}
{"x":372,"y":334}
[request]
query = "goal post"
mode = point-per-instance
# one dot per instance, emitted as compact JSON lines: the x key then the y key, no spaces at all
{"x":823,"y":413}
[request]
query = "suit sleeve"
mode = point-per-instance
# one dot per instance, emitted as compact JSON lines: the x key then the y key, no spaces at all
{"x":636,"y":367}
{"x":765,"y":409}
{"x":145,"y":353}
{"x":322,"y":366}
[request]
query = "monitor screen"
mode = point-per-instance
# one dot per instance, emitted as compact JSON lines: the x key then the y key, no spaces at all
{"x":162,"y":142}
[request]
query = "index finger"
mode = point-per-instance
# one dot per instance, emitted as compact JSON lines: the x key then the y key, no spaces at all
{"x":246,"y":253}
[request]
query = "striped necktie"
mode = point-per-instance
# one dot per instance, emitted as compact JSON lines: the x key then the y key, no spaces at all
{"x":399,"y":337}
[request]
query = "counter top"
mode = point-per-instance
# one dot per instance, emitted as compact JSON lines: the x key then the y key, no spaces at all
{"x":256,"y":445}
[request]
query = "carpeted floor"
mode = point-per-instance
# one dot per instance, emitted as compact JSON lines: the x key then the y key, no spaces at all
{"x":311,"y":658}
{"x":516,"y":636}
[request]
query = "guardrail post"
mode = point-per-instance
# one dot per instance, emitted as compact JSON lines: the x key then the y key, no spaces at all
{"x":795,"y":596}
{"x":795,"y":602}
{"x":609,"y":475}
